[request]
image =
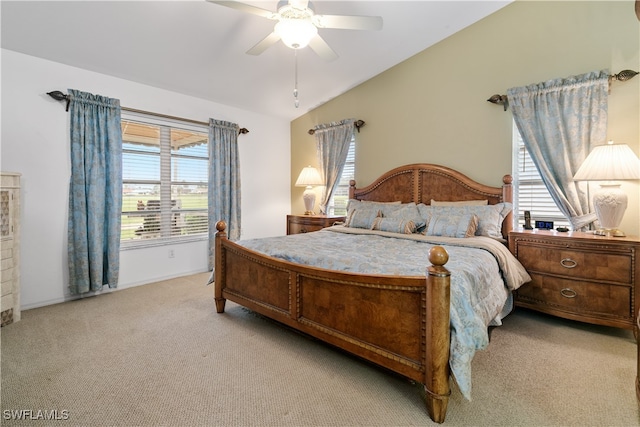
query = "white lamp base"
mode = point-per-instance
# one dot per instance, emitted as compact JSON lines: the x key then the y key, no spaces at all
{"x":309,"y":197}
{"x":610,"y":202}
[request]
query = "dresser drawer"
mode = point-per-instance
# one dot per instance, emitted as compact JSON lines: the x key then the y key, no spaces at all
{"x":308,"y":223}
{"x":580,"y":276}
{"x":302,"y":227}
{"x":578,"y":297}
{"x":575,"y":263}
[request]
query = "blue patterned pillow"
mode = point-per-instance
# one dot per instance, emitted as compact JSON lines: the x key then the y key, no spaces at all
{"x":490,"y":217}
{"x":362,"y":218}
{"x":460,"y":203}
{"x":394,"y":225}
{"x":365,"y":204}
{"x":463,"y":225}
{"x":407,"y":212}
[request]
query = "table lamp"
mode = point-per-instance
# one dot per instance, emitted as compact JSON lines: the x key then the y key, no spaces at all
{"x":610,"y":162}
{"x":309,"y":177}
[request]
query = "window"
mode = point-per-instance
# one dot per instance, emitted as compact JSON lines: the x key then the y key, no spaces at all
{"x":529,"y":192}
{"x":338,"y":202}
{"x":164,"y":180}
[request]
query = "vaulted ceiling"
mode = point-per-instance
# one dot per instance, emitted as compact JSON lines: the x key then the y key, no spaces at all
{"x":198,"y":48}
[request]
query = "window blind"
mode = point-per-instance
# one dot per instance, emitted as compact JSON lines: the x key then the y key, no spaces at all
{"x":164,"y":180}
{"x":530,"y":193}
{"x":338,"y":202}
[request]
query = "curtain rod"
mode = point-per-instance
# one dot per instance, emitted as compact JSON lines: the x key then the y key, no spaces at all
{"x":59,"y":96}
{"x":622,"y":76}
{"x":358,"y":124}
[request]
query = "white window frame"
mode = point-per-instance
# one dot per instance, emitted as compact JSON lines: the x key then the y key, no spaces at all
{"x":529,"y":192}
{"x":171,"y":216}
{"x":342,"y":189}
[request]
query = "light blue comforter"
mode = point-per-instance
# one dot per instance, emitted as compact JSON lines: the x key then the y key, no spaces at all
{"x":483,"y":272}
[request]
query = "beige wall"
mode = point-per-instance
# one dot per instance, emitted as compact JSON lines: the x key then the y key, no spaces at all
{"x":432,"y":108}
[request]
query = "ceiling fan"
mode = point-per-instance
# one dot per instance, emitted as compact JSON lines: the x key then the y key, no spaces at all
{"x":298,"y":25}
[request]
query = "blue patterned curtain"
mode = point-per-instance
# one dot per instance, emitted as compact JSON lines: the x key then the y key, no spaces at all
{"x":224,"y":181}
{"x":560,"y":122}
{"x":332,"y":146}
{"x":95,"y":192}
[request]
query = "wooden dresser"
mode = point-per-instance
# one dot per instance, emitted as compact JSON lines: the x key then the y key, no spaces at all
{"x":10,"y":247}
{"x":308,"y":223}
{"x":580,"y":276}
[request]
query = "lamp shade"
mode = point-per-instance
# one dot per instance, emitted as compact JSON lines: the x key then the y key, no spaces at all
{"x":309,"y":177}
{"x":610,"y":162}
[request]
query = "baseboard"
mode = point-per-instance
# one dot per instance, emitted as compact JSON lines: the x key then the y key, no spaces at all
{"x":120,"y":287}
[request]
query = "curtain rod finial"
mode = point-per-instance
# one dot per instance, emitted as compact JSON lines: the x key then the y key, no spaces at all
{"x":59,"y":96}
{"x":625,"y":75}
{"x":499,"y":99}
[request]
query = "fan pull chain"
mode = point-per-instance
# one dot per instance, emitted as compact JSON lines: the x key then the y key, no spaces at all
{"x":296,"y":101}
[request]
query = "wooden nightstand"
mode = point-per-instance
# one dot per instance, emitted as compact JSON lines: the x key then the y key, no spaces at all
{"x":580,"y":276}
{"x":308,"y":223}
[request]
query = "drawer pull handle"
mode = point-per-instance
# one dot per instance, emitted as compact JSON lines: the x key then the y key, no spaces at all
{"x":568,"y":263}
{"x":568,"y":293}
{"x":303,"y":230}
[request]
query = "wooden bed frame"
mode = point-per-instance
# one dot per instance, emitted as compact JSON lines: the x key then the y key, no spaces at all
{"x":410,"y":332}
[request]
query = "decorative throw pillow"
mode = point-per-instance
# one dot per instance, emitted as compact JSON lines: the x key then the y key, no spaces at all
{"x":463,"y":225}
{"x":394,"y":225}
{"x":460,"y":203}
{"x":365,"y":204}
{"x":490,"y":217}
{"x":425,"y":212}
{"x":362,"y":218}
{"x":408,"y":212}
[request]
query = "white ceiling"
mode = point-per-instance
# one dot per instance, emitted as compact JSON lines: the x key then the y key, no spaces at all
{"x":198,"y":48}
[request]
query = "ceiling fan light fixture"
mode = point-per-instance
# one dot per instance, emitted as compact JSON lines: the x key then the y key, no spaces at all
{"x":296,"y":32}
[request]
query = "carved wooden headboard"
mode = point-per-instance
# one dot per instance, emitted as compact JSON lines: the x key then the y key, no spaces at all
{"x":422,"y":182}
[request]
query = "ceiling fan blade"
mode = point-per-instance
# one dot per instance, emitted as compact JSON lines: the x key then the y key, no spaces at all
{"x":347,"y":22}
{"x":247,"y":8}
{"x":638,"y":9}
{"x":265,"y":43}
{"x":324,"y":51}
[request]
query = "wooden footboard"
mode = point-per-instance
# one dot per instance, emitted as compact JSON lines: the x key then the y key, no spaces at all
{"x":400,"y":323}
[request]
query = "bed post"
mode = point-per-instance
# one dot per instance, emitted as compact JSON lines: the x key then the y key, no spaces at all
{"x":438,"y":335}
{"x":218,"y":269}
{"x":507,"y":196}
{"x":352,"y":189}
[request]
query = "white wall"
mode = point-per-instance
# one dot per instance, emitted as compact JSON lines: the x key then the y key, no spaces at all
{"x":35,"y":143}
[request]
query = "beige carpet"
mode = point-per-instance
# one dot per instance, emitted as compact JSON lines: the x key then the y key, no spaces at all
{"x":159,"y":355}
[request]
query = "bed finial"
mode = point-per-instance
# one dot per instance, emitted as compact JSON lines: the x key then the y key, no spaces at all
{"x":221,"y":226}
{"x":438,"y":256}
{"x":352,"y":189}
